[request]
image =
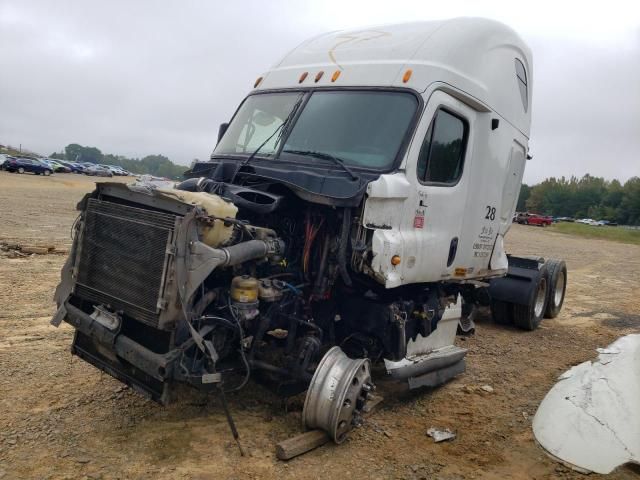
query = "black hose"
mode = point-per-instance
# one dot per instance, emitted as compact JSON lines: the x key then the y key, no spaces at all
{"x":342,"y":250}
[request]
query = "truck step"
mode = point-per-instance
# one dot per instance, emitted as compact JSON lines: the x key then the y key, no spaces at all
{"x":443,"y":363}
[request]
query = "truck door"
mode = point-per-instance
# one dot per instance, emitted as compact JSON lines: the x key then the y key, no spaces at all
{"x":438,"y":164}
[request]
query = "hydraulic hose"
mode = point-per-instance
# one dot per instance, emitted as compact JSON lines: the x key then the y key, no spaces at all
{"x":342,"y":249}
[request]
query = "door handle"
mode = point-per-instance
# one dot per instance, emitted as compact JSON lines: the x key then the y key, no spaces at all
{"x":453,"y":249}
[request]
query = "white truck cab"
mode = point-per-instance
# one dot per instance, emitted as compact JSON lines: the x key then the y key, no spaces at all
{"x":447,"y":203}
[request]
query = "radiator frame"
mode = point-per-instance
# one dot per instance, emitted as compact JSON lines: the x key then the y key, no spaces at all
{"x":167,"y":308}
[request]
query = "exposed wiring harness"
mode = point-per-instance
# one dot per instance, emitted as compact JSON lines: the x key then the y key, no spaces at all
{"x":311,"y":229}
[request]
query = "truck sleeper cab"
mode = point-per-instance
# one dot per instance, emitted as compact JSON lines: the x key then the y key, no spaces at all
{"x":352,"y":212}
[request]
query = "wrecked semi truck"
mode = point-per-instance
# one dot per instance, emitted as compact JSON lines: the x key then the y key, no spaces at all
{"x":353,"y":212}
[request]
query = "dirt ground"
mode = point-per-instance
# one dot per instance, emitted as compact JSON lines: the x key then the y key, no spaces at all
{"x":62,"y":418}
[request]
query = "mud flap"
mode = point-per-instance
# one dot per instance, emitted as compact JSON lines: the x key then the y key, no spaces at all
{"x":519,"y":284}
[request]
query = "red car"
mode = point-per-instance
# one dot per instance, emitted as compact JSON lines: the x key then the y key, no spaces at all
{"x":534,"y":219}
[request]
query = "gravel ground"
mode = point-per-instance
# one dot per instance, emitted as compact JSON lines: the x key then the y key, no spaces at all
{"x":61,"y":418}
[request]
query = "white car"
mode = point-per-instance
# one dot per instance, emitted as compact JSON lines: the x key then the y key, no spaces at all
{"x":116,"y":170}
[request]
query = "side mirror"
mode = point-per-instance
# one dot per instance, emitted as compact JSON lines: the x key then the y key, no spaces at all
{"x":223,"y":128}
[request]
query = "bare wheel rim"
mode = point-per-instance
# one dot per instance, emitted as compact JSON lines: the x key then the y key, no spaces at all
{"x":559,"y":290}
{"x":337,"y":393}
{"x":540,"y":297}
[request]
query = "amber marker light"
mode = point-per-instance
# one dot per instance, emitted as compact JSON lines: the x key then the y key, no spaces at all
{"x":335,"y":75}
{"x":319,"y":76}
{"x":395,"y":260}
{"x":302,"y":77}
{"x":407,"y":75}
{"x":258,"y":82}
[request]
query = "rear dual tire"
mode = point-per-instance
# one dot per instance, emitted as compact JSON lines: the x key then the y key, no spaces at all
{"x":557,"y":287}
{"x":501,"y":312}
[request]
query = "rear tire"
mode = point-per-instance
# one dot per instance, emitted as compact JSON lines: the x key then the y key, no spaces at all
{"x":557,"y":287}
{"x":528,"y":317}
{"x":47,"y":173}
{"x":501,"y":312}
{"x":20,"y":170}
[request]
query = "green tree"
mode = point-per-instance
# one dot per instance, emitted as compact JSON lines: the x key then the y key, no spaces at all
{"x":629,"y":211}
{"x":525,"y":193}
{"x":77,"y":153}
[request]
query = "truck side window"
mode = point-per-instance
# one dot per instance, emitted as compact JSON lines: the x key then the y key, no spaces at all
{"x":521,"y":75}
{"x":442,"y":153}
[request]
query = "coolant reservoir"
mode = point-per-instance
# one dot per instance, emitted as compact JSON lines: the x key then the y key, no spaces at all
{"x":244,"y":289}
{"x":217,"y":233}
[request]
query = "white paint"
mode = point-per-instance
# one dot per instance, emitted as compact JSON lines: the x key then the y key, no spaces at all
{"x":475,"y":55}
{"x":468,"y":67}
{"x":591,"y":418}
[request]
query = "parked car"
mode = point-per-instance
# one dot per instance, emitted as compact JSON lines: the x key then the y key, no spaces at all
{"x":98,"y":171}
{"x":4,"y":160}
{"x":73,"y":166}
{"x":534,"y":219}
{"x":119,"y":171}
{"x":113,"y":169}
{"x":564,"y":219}
{"x":24,"y":164}
{"x":55,"y":166}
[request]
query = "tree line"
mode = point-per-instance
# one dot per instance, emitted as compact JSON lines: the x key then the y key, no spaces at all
{"x":586,"y":197}
{"x":157,"y":165}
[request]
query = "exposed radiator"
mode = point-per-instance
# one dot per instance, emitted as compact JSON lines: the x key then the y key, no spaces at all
{"x":123,"y":258}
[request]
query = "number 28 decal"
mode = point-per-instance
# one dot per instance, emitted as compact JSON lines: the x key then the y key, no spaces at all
{"x":491,"y":213}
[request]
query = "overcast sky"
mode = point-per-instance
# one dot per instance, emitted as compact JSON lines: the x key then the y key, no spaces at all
{"x":145,"y":77}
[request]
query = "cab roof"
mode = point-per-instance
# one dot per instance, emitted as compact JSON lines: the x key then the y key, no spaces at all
{"x":483,"y":62}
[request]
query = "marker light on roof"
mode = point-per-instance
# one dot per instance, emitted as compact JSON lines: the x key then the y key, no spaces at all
{"x":335,"y":75}
{"x":258,"y":81}
{"x":302,"y":77}
{"x":319,"y":75}
{"x":407,"y":75}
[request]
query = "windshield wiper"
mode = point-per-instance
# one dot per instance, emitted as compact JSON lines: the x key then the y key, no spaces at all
{"x":280,"y":130}
{"x":325,"y":156}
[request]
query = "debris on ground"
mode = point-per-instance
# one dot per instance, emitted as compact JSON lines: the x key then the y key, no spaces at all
{"x":15,"y":250}
{"x":487,"y":388}
{"x":440,"y":435}
{"x":590,"y":419}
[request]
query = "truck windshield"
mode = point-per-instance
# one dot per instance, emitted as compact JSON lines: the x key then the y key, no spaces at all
{"x":360,"y":128}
